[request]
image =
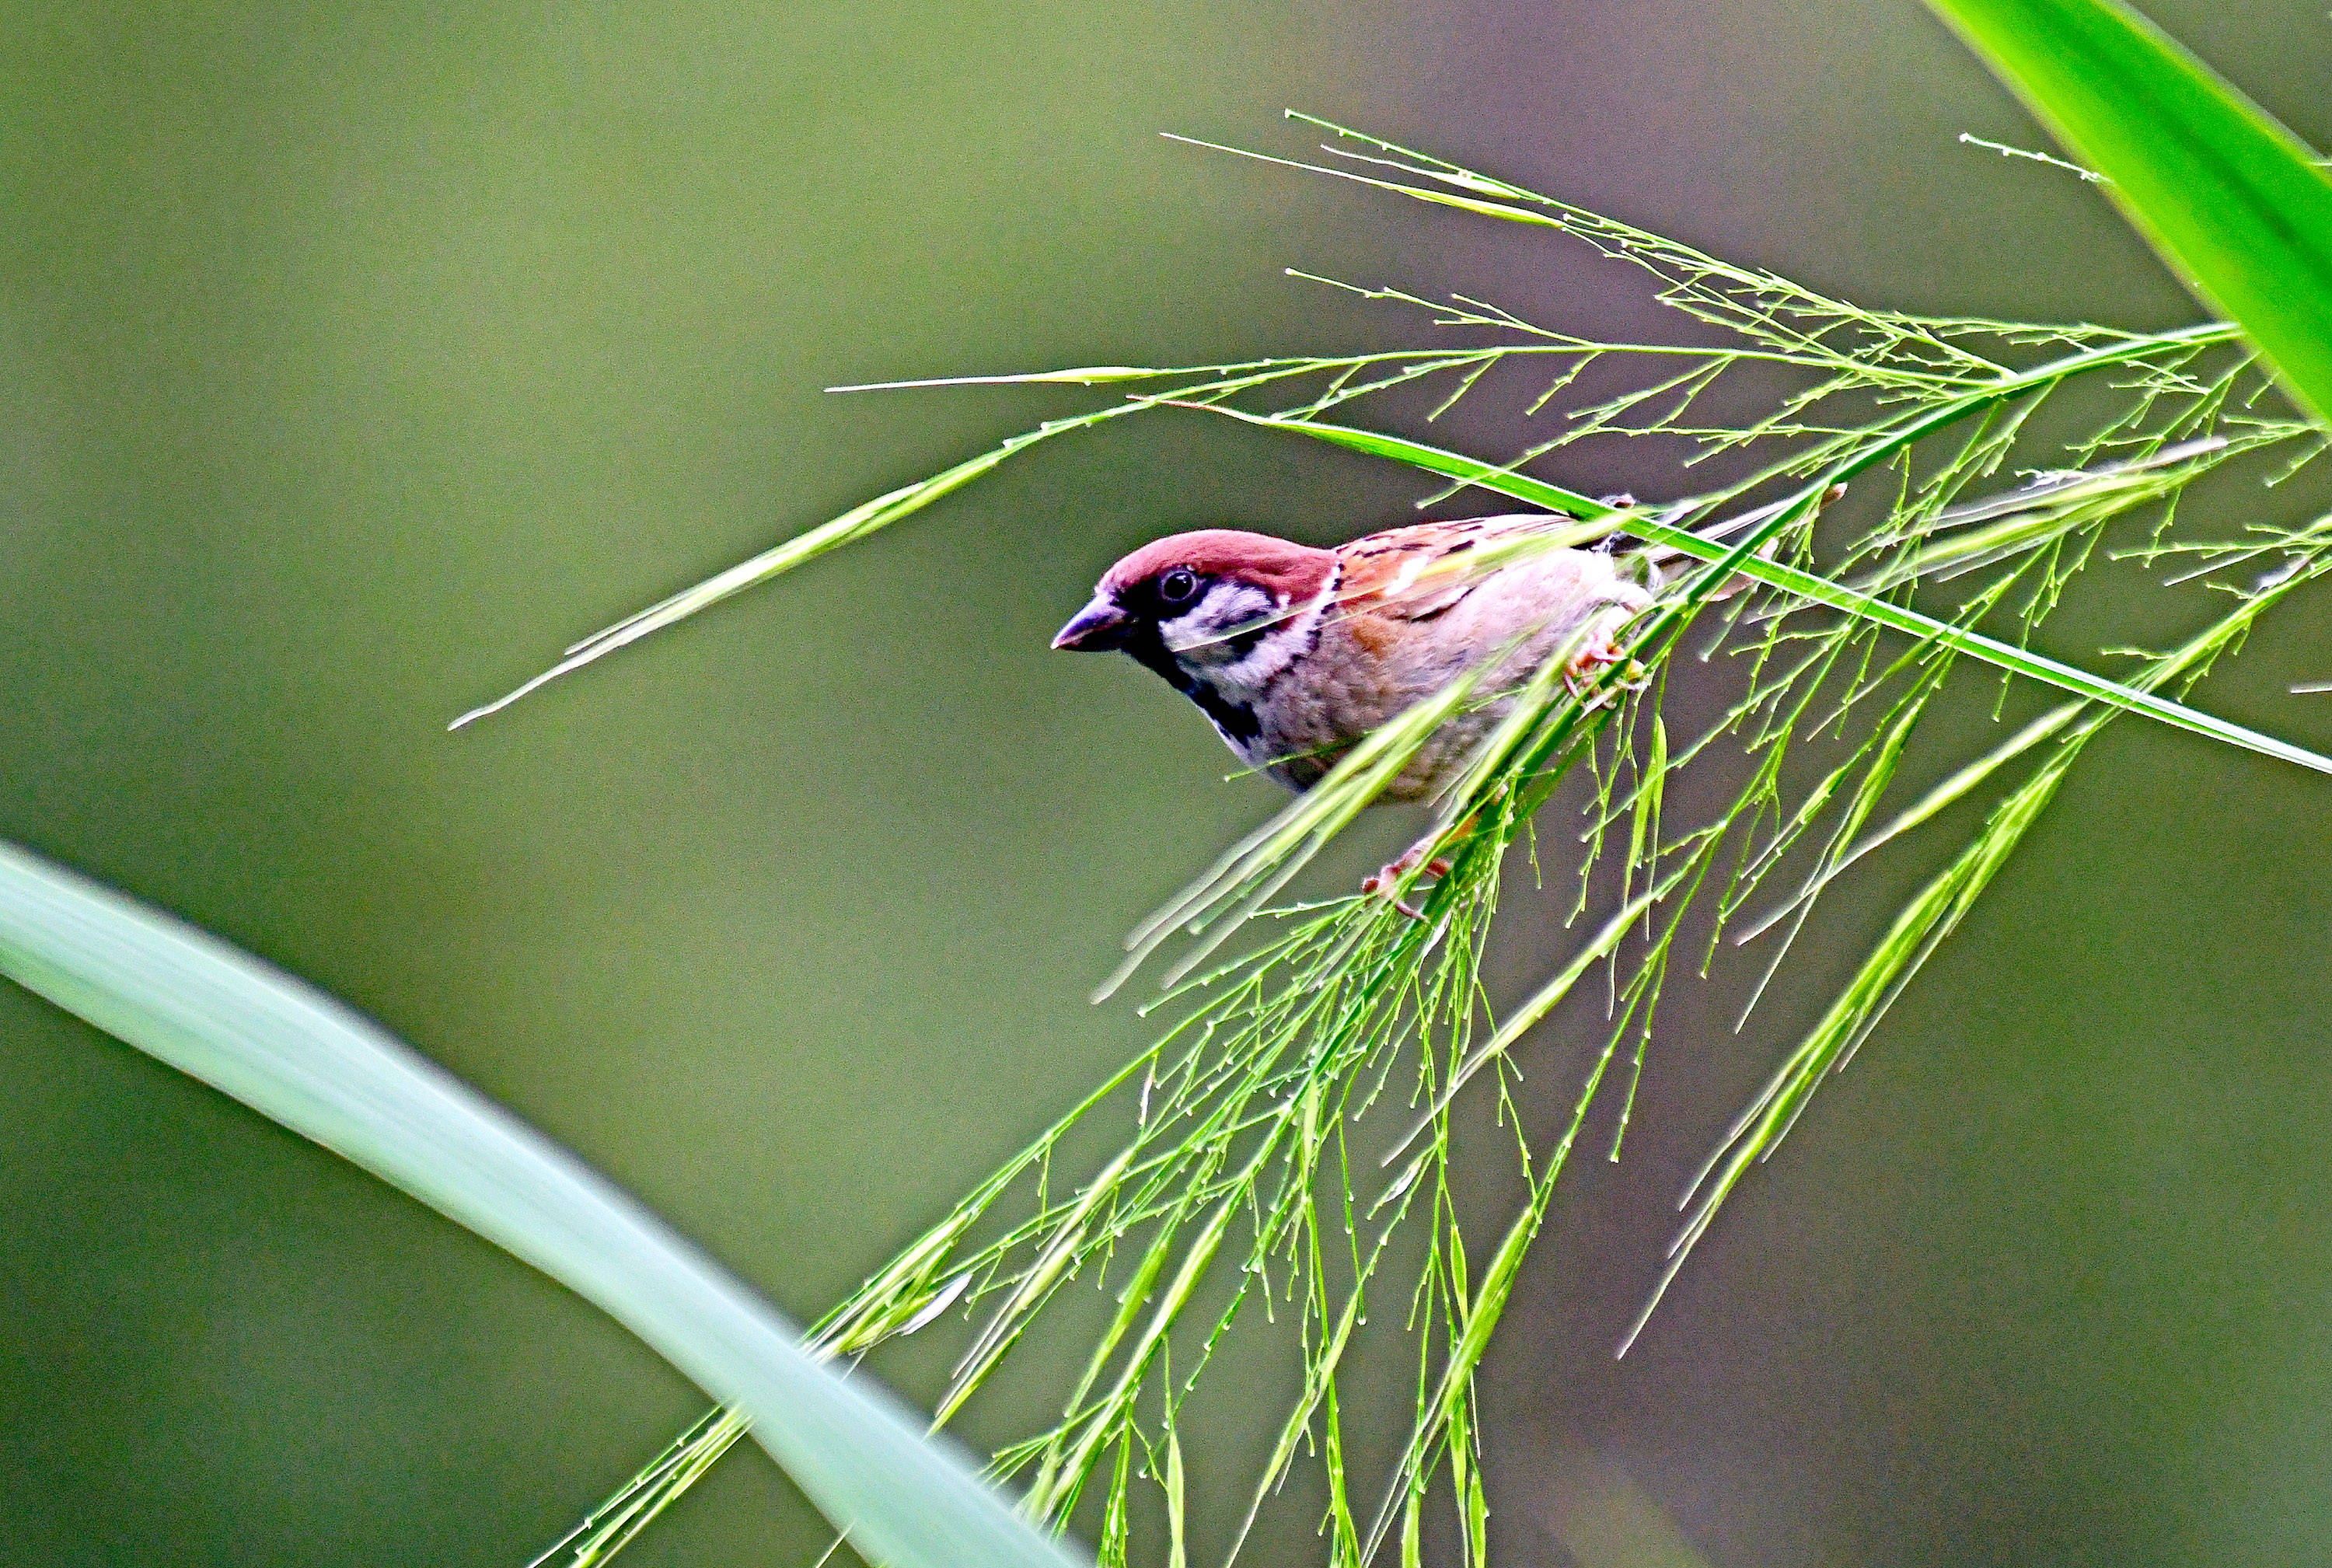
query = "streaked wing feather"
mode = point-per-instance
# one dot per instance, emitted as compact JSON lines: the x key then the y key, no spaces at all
{"x":1417,"y":572}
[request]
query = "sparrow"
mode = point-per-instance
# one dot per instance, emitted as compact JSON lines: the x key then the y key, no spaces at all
{"x":1295,"y":654}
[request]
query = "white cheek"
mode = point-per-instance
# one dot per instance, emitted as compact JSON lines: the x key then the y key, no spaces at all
{"x":1246,"y":677}
{"x":1185,"y":634}
{"x":1202,"y":630}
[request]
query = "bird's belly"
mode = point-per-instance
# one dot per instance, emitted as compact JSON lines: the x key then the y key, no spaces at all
{"x":1308,"y":735}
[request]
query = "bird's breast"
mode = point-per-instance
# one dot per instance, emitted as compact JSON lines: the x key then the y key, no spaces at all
{"x":1371,"y":663}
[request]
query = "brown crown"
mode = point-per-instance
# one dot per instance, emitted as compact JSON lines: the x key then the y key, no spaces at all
{"x":1290,"y":573}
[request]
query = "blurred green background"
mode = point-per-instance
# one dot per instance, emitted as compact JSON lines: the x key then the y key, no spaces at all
{"x":354,"y":359}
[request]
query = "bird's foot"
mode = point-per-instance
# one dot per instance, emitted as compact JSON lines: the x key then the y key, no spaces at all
{"x":1387,"y":882}
{"x":1581,"y":676}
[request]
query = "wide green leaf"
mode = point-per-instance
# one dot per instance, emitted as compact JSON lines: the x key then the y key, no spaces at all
{"x":296,"y":1055}
{"x":2234,"y":202}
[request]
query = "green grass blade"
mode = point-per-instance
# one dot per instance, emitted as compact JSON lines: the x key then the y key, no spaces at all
{"x":1789,"y":580}
{"x":1492,"y":209}
{"x":887,"y":508}
{"x":2233,"y":200}
{"x":854,"y":524}
{"x":301,"y":1058}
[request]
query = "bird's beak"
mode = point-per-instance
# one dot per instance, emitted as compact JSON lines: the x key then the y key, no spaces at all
{"x":1097,"y":628}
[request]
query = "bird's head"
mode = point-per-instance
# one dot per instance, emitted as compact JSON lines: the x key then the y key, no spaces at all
{"x":1219,"y":613}
{"x":1194,"y":592}
{"x":1206,"y":600}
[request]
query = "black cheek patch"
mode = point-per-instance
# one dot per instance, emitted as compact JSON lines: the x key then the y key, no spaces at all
{"x":1242,"y":642}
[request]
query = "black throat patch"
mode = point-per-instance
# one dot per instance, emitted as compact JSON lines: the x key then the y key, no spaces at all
{"x":1236,"y":720}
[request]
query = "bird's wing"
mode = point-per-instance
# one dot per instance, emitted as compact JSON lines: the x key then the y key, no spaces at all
{"x":1419,"y":572}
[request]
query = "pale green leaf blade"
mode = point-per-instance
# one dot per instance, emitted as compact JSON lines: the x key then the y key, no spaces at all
{"x":302,"y":1058}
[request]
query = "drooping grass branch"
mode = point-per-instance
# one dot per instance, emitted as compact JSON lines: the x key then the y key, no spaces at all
{"x":1244,"y":1182}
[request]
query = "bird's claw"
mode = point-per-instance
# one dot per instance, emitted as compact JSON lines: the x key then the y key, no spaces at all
{"x":1386,"y":882}
{"x":1579,"y":676}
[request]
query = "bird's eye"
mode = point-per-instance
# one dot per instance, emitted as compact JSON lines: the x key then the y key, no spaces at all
{"x":1178,"y":587}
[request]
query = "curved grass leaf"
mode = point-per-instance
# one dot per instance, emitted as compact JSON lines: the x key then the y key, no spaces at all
{"x":304,"y":1059}
{"x":884,"y":509}
{"x":2233,"y":201}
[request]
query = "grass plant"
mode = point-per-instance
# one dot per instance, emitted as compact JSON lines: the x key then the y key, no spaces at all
{"x":320,"y":1068}
{"x":1987,"y":463}
{"x":1287,"y":1152}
